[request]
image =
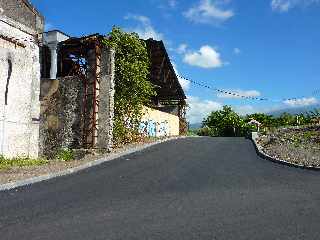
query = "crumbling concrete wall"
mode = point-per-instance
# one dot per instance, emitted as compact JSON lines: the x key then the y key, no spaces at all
{"x":62,"y":110}
{"x":61,"y":106}
{"x":19,"y":85}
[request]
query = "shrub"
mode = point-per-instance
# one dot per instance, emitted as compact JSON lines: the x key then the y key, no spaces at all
{"x":132,"y":86}
{"x":65,"y":155}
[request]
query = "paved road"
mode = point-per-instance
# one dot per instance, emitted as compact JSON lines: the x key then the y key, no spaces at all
{"x":195,"y":188}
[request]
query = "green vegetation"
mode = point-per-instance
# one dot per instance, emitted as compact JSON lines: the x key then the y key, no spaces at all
{"x":132,"y":86}
{"x":6,"y":163}
{"x":228,"y":123}
{"x":225,"y":122}
{"x":65,"y":155}
{"x":192,"y":133}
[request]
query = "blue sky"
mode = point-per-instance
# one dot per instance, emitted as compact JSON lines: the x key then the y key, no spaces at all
{"x":265,"y":48}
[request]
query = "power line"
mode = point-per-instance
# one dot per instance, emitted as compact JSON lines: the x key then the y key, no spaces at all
{"x":316,"y":92}
{"x":235,"y":94}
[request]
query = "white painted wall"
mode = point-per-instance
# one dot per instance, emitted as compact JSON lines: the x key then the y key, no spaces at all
{"x":19,"y":134}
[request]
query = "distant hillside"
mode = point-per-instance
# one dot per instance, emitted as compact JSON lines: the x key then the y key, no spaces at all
{"x":195,"y":125}
{"x":294,"y":111}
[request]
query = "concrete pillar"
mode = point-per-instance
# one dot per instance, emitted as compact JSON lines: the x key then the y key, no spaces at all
{"x":54,"y":59}
{"x":106,"y":107}
{"x":254,"y":135}
{"x":91,"y":108}
{"x":52,"y":39}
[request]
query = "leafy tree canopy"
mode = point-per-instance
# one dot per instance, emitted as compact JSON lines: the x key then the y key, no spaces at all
{"x":225,"y":122}
{"x":132,"y":86}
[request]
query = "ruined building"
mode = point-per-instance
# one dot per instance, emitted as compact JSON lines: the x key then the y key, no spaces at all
{"x":77,"y":89}
{"x":57,"y":91}
{"x":77,"y":94}
{"x":20,"y":29}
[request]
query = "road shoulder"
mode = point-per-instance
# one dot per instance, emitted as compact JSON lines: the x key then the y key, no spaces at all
{"x":70,"y":170}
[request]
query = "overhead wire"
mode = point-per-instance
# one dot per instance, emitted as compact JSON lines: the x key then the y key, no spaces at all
{"x":238,"y":95}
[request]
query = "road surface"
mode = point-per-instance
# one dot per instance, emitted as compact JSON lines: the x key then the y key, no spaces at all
{"x":194,"y":188}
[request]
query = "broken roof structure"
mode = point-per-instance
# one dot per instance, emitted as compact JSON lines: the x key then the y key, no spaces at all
{"x":163,"y":74}
{"x":170,"y":95}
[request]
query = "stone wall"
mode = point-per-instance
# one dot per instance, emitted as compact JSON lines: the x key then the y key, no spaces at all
{"x":19,"y":88}
{"x":61,"y":106}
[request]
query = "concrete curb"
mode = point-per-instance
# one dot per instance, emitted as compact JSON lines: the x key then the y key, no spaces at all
{"x":26,"y":182}
{"x":279,"y":161}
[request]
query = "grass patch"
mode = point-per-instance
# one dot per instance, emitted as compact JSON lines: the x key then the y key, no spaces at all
{"x":65,"y":155}
{"x":6,"y":163}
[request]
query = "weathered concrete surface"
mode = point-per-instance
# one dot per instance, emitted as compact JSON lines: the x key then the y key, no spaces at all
{"x":61,"y":107}
{"x":21,"y":11}
{"x":106,"y":106}
{"x":20,"y":81}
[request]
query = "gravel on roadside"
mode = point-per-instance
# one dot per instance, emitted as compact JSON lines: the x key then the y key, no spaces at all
{"x":300,"y":145}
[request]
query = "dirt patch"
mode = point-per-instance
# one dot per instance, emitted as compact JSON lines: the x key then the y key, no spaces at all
{"x":299,"y":145}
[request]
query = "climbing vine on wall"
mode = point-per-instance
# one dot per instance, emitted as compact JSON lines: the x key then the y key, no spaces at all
{"x":132,"y":87}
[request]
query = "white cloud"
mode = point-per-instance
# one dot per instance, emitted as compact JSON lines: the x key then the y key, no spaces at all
{"x":208,"y":12}
{"x":144,"y":28}
{"x":286,"y":5}
{"x":182,"y":48}
{"x":301,"y":102}
{"x":280,"y":5}
{"x":236,"y":51}
{"x":199,"y":109}
{"x":239,"y":92}
{"x":172,"y":3}
{"x":184,"y":83}
{"x":245,"y":109}
{"x":206,"y":57}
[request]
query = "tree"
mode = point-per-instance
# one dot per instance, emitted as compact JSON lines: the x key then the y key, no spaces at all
{"x":225,"y":122}
{"x":287,"y":119}
{"x":132,"y":86}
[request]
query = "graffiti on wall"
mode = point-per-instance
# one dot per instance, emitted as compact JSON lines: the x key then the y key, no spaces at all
{"x":152,"y":128}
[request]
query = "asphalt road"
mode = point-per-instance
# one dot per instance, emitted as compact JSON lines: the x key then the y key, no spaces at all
{"x":195,"y":188}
